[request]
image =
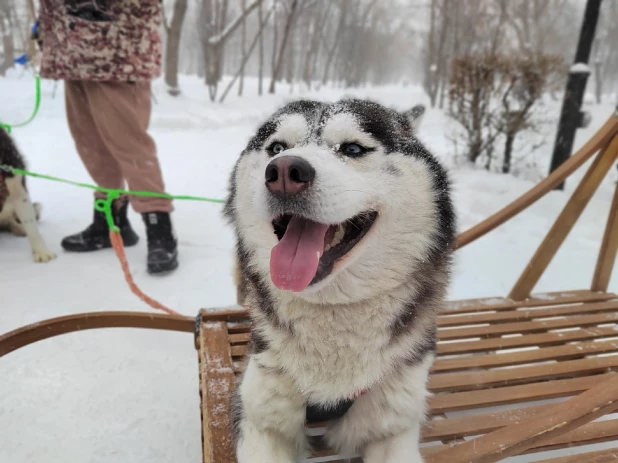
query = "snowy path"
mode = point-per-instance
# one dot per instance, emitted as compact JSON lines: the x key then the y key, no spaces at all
{"x":131,"y":396}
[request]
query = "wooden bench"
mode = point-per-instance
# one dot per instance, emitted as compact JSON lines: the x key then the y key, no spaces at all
{"x":478,"y":339}
{"x":502,"y":362}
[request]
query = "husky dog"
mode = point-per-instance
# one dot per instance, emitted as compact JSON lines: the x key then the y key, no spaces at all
{"x":344,"y":229}
{"x":17,"y":213}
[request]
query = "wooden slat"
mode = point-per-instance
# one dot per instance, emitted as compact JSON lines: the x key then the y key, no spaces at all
{"x":474,"y":425}
{"x":565,"y":222}
{"x":520,"y":315}
{"x":235,"y":313}
{"x":542,"y":339}
{"x":601,"y":456}
{"x":609,"y":248}
{"x":527,"y":327}
{"x":216,"y":383}
{"x":239,"y":338}
{"x":465,"y":306}
{"x":517,"y":438}
{"x":239,"y":341}
{"x":566,"y":352}
{"x":463,"y":381}
{"x":588,"y":434}
{"x":599,"y":140}
{"x":457,"y":401}
{"x":591,"y":433}
{"x":507,"y":328}
{"x":471,"y":306}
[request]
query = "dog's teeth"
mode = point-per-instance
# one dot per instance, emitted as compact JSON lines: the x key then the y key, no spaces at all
{"x":327,"y":248}
{"x":337,"y":237}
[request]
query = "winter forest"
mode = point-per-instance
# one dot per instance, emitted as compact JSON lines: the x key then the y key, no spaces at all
{"x":492,"y":66}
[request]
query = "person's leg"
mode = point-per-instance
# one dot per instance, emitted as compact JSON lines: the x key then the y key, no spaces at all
{"x":121,"y":111}
{"x":98,"y":161}
{"x":102,"y":167}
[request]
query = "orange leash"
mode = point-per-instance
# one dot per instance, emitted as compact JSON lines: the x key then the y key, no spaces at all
{"x":118,"y":246}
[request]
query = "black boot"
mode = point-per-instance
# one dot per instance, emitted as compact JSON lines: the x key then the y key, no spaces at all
{"x":162,"y":244}
{"x":96,"y":236}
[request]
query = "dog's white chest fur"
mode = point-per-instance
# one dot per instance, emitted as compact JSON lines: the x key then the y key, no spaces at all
{"x":324,"y":348}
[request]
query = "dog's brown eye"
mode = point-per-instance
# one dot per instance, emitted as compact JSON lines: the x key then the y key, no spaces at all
{"x":276,"y":148}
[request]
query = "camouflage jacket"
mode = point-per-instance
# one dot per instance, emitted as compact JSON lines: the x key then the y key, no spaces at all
{"x":103,"y":40}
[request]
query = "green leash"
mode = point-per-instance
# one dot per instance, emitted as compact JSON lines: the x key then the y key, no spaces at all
{"x":37,"y":103}
{"x":105,"y":205}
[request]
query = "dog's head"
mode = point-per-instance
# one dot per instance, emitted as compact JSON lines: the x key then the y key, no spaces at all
{"x":337,"y":202}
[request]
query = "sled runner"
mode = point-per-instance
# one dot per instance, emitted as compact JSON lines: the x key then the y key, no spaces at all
{"x":499,"y":360}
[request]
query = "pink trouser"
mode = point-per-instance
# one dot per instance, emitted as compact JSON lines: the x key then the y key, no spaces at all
{"x":109,"y":124}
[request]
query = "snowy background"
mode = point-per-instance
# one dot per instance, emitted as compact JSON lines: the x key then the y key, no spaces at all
{"x":120,"y":395}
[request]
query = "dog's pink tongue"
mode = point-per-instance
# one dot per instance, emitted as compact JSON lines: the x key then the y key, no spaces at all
{"x":294,"y":261}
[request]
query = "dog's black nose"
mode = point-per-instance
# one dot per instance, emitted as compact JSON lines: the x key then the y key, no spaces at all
{"x":289,"y":175}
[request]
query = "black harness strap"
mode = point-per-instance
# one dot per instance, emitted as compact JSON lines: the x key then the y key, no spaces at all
{"x":318,"y":413}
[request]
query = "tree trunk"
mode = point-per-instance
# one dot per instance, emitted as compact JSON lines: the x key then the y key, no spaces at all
{"x":6,"y":29}
{"x":172,"y":47}
{"x":261,"y":50}
{"x":284,"y":41}
{"x":275,"y":43}
{"x":290,"y":59}
{"x":31,"y":11}
{"x":508,"y":153}
{"x":336,"y":41}
{"x":220,"y":47}
{"x":474,"y":149}
{"x":243,"y":47}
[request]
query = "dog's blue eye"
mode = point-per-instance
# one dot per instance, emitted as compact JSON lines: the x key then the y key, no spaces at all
{"x":352,"y":149}
{"x":276,"y":148}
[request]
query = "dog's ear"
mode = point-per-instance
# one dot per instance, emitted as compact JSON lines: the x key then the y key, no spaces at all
{"x":415,"y":116}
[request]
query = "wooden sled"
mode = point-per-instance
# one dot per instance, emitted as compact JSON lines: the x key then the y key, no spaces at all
{"x":497,"y":358}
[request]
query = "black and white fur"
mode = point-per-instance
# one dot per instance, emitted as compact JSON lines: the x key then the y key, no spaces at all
{"x":17,"y":213}
{"x":370,"y":325}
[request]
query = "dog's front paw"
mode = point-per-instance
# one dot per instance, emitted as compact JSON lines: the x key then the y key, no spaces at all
{"x":43,"y":255}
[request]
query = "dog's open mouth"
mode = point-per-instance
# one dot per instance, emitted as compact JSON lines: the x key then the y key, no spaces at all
{"x":307,"y":250}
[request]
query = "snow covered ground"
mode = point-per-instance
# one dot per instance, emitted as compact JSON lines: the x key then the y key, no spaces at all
{"x":129,"y":396}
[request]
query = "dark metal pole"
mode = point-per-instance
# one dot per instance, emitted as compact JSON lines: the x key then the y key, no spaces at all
{"x":571,"y":117}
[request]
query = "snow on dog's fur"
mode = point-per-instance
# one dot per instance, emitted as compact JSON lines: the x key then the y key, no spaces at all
{"x":17,"y":213}
{"x":344,"y":228}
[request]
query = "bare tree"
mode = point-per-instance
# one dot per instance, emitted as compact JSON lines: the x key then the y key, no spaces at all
{"x":605,"y":52}
{"x":261,"y":48}
{"x":243,"y":48}
{"x":343,"y":12}
{"x":214,"y":34}
{"x":527,"y":77}
{"x":173,"y":31}
{"x":284,"y":41}
{"x":475,"y":83}
{"x":247,"y":55}
{"x":6,"y":30}
{"x":439,"y":25}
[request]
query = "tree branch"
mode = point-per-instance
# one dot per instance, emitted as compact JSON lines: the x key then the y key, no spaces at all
{"x":229,"y":30}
